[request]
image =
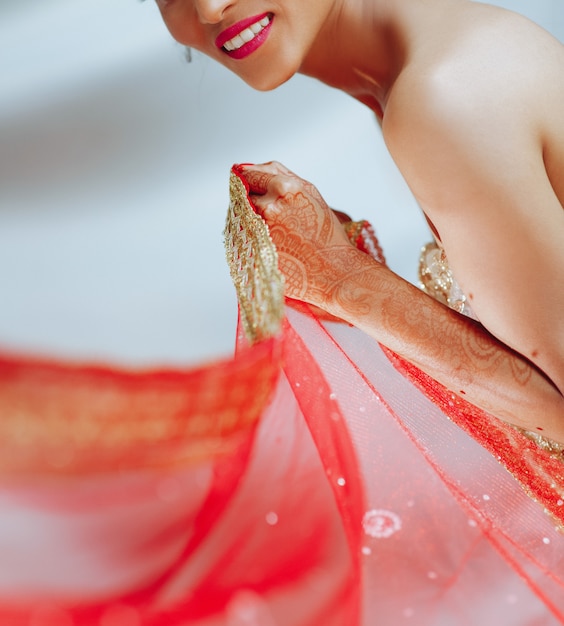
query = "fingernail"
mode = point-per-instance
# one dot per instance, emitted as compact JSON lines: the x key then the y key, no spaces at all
{"x":242,"y":166}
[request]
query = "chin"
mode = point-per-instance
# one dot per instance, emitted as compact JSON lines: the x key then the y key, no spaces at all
{"x":269,"y":84}
{"x":268,"y":81}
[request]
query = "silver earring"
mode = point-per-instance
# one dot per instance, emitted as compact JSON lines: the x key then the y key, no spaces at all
{"x":188,"y":54}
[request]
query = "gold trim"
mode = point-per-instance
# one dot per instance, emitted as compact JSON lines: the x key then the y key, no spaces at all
{"x":253,"y":265}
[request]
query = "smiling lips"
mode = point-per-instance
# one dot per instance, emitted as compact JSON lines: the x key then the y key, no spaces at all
{"x":243,"y":38}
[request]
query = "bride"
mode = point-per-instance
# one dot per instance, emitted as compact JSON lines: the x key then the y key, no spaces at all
{"x":405,"y":466}
{"x":469,"y":97}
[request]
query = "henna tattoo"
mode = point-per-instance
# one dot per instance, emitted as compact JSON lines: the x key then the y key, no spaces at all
{"x":321,"y":267}
{"x":453,"y":348}
{"x":464,"y":349}
{"x":259,"y":180}
{"x":294,"y":275}
{"x":305,"y":232}
{"x":299,"y":214}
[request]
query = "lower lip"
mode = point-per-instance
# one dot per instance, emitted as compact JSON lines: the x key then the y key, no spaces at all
{"x":252,"y":45}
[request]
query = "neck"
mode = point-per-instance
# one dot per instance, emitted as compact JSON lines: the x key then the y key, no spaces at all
{"x":360,"y":50}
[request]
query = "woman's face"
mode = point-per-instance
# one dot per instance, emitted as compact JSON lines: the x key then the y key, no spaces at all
{"x":264,"y":42}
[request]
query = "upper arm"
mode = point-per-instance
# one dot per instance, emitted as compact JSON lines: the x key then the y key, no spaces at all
{"x":476,"y":167}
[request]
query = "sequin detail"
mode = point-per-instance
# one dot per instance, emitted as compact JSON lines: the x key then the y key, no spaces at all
{"x":381,"y":524}
{"x":540,"y":474}
{"x":436,"y":279}
{"x":554,"y":448}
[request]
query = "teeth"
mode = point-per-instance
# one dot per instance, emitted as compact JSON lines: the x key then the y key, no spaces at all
{"x":247,"y":35}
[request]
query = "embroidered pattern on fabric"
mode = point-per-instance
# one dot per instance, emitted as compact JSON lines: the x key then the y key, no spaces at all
{"x":362,"y":235}
{"x":253,"y":264}
{"x":65,"y":419}
{"x":554,"y":448}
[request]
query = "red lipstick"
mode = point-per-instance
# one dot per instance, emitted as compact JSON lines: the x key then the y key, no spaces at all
{"x":238,"y":28}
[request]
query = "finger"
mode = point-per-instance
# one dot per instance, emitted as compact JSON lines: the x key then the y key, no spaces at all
{"x":258,"y":180}
{"x":274,"y":167}
{"x":341,"y":216}
{"x":260,"y":177}
{"x":263,"y":207}
{"x":277,"y":167}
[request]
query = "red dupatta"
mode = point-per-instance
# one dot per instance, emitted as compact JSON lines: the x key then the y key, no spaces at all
{"x":306,"y":481}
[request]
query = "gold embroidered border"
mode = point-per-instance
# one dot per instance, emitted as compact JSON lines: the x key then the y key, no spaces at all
{"x":253,"y":264}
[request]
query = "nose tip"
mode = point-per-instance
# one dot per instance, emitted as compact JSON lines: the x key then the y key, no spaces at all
{"x":211,"y":11}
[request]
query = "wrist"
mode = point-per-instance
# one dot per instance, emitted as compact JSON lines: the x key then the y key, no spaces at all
{"x":335,"y":277}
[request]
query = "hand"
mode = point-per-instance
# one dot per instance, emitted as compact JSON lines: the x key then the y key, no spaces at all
{"x":310,"y":240}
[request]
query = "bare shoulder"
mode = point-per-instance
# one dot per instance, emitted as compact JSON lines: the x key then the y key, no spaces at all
{"x":485,"y":76}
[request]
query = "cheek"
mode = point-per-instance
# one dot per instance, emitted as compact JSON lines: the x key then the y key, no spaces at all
{"x":181,"y":24}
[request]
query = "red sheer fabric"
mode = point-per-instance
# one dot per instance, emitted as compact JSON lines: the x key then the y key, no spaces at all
{"x":351,"y":500}
{"x":222,"y":515}
{"x":313,"y":479}
{"x":448,"y":534}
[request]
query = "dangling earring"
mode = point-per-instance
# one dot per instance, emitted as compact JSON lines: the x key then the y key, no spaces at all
{"x":188,"y":54}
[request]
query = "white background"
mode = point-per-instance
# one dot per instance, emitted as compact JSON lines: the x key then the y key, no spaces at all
{"x":114,"y":163}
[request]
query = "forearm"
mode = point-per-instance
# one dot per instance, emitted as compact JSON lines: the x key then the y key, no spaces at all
{"x":322,"y":268}
{"x":456,"y":351}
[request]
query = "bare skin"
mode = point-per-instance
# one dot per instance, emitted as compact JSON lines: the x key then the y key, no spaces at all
{"x":470,"y":98}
